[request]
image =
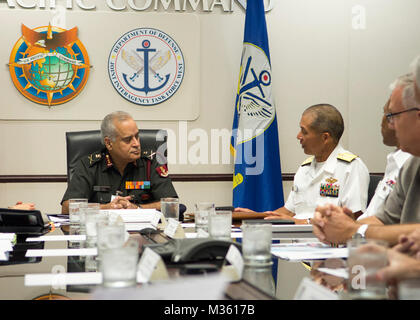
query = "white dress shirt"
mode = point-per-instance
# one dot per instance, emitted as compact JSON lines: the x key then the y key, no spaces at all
{"x":343,"y":183}
{"x":394,"y":162}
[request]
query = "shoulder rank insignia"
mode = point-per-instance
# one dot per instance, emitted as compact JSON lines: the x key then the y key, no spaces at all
{"x":346,"y":156}
{"x":308,"y":161}
{"x":163,"y":171}
{"x":94,"y":157}
{"x":149,"y":154}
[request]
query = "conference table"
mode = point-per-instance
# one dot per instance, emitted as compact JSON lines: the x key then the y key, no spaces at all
{"x":256,"y":283}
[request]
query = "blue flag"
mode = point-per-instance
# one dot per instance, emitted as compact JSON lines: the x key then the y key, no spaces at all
{"x":257,"y":181}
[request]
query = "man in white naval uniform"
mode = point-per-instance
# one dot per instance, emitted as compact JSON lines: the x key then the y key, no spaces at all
{"x":331,"y":175}
{"x":394,"y":162}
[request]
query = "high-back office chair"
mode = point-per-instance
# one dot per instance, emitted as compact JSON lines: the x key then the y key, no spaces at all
{"x":83,"y":143}
{"x":373,"y":183}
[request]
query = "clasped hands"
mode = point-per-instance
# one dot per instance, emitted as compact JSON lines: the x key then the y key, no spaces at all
{"x":333,"y":224}
{"x":120,"y":202}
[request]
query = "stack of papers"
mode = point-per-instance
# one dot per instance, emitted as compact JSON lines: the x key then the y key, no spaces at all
{"x":59,"y":220}
{"x":7,"y":241}
{"x":138,"y":219}
{"x":307,"y":251}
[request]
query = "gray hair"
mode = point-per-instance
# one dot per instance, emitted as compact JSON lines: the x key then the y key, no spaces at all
{"x":108,"y":127}
{"x":407,"y":83}
{"x":327,"y":119}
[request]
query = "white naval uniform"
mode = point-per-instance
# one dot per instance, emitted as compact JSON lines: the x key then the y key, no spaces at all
{"x":344,"y":171}
{"x":394,"y":162}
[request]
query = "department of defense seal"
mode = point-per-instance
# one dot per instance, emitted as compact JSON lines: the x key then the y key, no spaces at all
{"x":146,"y":66}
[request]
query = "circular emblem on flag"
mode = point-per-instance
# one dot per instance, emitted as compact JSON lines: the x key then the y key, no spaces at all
{"x":49,"y":65}
{"x":254,"y":101}
{"x":146,"y":66}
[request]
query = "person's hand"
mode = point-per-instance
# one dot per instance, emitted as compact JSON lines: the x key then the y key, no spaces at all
{"x":246,"y":210}
{"x":124,"y":202}
{"x":23,"y":206}
{"x":318,"y":222}
{"x":401,"y":267}
{"x":333,"y":225}
{"x":276,"y":215}
{"x":331,"y":282}
{"x":409,"y":244}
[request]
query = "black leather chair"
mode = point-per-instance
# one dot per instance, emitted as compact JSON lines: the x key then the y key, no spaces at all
{"x":373,"y":183}
{"x":82,"y":143}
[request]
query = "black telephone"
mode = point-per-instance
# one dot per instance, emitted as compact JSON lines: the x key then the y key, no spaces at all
{"x":23,"y":222}
{"x":193,"y":250}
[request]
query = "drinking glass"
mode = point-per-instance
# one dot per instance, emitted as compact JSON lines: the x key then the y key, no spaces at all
{"x":119,"y":265}
{"x":409,"y":289}
{"x":202,"y":210}
{"x":74,"y":210}
{"x":170,"y":208}
{"x":220,"y":225}
{"x":93,"y":215}
{"x":365,"y":258}
{"x":256,"y":243}
{"x":110,"y":235}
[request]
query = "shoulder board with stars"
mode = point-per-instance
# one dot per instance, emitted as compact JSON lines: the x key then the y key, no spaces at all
{"x":346,"y":156}
{"x":307,"y":161}
{"x":94,"y":158}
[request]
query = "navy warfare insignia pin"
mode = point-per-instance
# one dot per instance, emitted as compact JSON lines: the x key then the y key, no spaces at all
{"x":49,"y":65}
{"x":146,"y":66}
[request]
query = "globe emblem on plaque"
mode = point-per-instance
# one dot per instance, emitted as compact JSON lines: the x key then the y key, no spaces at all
{"x":146,"y":66}
{"x":49,"y":65}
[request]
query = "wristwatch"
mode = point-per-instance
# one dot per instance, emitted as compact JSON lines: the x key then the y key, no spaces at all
{"x":360,"y":233}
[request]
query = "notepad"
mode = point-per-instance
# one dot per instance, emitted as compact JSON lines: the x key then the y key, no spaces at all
{"x":61,"y":252}
{"x":73,"y":278}
{"x":307,"y":251}
{"x":75,"y":237}
{"x":135,"y":215}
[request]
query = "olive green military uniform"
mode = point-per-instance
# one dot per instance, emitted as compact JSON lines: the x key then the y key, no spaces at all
{"x":96,"y":179}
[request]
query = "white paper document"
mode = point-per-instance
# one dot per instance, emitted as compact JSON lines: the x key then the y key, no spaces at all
{"x":59,"y":279}
{"x":8,"y":236}
{"x":233,"y":235}
{"x":132,"y":226}
{"x":6,"y":245}
{"x":61,"y":252}
{"x":135,"y":215}
{"x":310,"y":290}
{"x":59,"y":220}
{"x":307,"y":251}
{"x":339,"y":272}
{"x":75,"y":237}
{"x":3,"y":255}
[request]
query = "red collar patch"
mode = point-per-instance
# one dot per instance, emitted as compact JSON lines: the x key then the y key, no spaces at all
{"x":162,"y":171}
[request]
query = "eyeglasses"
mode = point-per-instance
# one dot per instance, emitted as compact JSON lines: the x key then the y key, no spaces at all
{"x":390,"y":116}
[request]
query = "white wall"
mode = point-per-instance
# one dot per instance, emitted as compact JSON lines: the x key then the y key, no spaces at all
{"x":316,"y":57}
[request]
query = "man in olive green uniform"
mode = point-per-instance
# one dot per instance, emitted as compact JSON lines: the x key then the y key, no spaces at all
{"x":120,"y":176}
